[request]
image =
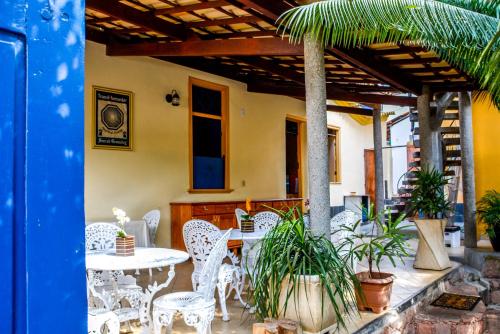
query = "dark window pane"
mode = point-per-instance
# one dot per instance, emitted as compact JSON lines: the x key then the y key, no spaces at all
{"x":207,"y":137}
{"x":206,"y":101}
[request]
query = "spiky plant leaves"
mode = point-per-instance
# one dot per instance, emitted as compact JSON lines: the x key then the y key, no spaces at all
{"x":290,"y":252}
{"x":391,"y":244}
{"x":488,"y":211}
{"x":428,"y":196}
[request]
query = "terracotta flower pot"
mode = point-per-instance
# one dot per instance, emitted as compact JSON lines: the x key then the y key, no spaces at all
{"x":125,"y":246}
{"x":377,"y":291}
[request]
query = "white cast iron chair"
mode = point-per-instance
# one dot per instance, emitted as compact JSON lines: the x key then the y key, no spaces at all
{"x":101,"y":321}
{"x":348,"y":218}
{"x":263,"y":221}
{"x":197,"y":307}
{"x":152,"y":219}
{"x":200,"y":238}
{"x":109,"y":289}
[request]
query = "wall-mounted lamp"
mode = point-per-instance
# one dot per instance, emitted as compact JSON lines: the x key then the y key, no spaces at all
{"x":173,"y":98}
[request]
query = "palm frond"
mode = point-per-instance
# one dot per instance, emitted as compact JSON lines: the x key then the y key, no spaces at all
{"x":486,"y":7}
{"x":461,"y":36}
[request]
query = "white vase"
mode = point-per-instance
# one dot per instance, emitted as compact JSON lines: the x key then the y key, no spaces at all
{"x":305,"y":306}
{"x":431,"y":251}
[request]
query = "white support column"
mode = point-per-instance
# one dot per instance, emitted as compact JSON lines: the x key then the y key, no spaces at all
{"x":468,"y":177}
{"x":317,"y":136}
{"x":379,"y":164}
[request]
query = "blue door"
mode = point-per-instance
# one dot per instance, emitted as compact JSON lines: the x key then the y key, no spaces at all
{"x":42,"y":256}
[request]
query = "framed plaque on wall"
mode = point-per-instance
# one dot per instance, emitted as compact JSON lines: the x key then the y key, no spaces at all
{"x":111,"y":118}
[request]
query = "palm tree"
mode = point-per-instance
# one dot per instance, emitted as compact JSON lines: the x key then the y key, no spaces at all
{"x":465,"y":33}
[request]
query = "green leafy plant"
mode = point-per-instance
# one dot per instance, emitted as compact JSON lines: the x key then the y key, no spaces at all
{"x":121,"y":234}
{"x":291,"y":252}
{"x":465,"y":33}
{"x":246,"y":217}
{"x":428,"y":197}
{"x":488,"y":211}
{"x":390,"y":244}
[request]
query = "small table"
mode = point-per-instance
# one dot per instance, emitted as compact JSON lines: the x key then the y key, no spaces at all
{"x":250,"y":239}
{"x":144,"y":258}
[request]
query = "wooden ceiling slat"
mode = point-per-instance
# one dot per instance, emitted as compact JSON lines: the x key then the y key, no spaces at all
{"x":222,"y":22}
{"x":140,"y":18}
{"x":414,"y":61}
{"x":189,"y":8}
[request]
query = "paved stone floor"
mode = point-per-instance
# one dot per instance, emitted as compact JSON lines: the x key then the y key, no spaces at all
{"x":409,"y":281}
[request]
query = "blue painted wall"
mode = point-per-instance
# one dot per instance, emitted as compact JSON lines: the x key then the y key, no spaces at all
{"x":42,"y":252}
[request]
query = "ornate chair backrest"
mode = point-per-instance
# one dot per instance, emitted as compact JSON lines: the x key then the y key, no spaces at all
{"x":200,"y":238}
{"x":152,"y":219}
{"x":239,"y":212}
{"x":100,"y":236}
{"x":346,"y":217}
{"x":265,"y":220}
{"x":209,"y":273}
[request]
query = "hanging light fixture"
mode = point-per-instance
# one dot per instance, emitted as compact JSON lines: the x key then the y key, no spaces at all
{"x":173,"y":98}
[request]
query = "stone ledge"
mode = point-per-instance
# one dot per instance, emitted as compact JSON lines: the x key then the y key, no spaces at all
{"x":475,"y":257}
{"x":395,"y":320}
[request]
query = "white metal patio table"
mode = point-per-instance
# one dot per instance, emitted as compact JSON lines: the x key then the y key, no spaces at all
{"x":251,"y":238}
{"x":144,"y":258}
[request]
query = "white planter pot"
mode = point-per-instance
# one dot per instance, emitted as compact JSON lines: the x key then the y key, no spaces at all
{"x":304,"y":305}
{"x":431,"y":251}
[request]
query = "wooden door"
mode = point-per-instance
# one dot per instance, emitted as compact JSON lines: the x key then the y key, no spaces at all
{"x":370,"y":174}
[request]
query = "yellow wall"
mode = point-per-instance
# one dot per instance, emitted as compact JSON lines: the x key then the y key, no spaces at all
{"x":486,"y":127}
{"x":156,"y":172}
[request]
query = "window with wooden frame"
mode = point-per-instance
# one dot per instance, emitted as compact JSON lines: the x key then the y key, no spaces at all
{"x":208,"y":136}
{"x":334,"y":154}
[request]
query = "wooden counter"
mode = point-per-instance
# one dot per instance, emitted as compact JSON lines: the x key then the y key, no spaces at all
{"x":220,"y":214}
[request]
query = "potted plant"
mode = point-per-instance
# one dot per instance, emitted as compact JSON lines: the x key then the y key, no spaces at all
{"x":375,"y":286}
{"x":429,"y":202}
{"x":125,"y":244}
{"x":488,"y":211}
{"x":300,"y":276}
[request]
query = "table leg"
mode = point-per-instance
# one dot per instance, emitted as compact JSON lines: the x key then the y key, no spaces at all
{"x":146,"y":306}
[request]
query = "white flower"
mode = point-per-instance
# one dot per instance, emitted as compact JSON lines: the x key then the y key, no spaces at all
{"x":121,"y":216}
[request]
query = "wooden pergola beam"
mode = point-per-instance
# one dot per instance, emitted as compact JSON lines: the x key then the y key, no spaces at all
{"x":140,"y":18}
{"x":333,"y":93}
{"x":350,"y":110}
{"x":215,"y":48}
